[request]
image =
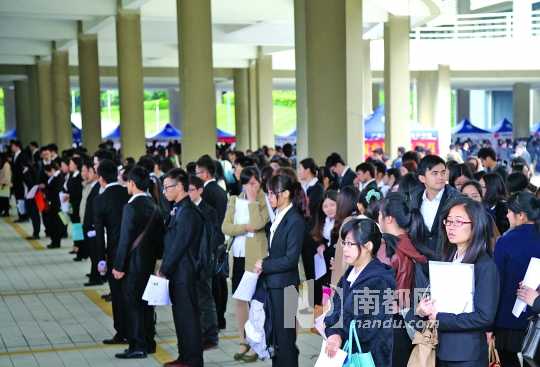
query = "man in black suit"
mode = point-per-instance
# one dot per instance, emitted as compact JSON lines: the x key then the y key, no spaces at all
{"x":433,"y":174}
{"x":52,"y":219}
{"x":337,"y":166}
{"x":30,"y":183}
{"x":108,"y":207}
{"x":87,"y":217}
{"x":140,"y":245}
{"x":216,"y":197}
{"x":207,"y":305}
{"x":182,"y":241}
{"x":365,"y":176}
{"x":17,"y":179}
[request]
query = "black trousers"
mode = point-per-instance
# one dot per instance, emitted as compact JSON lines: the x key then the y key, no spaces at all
{"x":480,"y":363}
{"x":4,"y":206}
{"x":221,"y":294}
{"x":90,"y":246}
{"x":141,"y":321}
{"x":54,"y":226}
{"x":186,"y":315}
{"x":32,"y":210}
{"x":119,"y":308}
{"x":207,"y":307}
{"x":286,"y":352}
{"x":402,"y":343}
{"x":314,"y":295}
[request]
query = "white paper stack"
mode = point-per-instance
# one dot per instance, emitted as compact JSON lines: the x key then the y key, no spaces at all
{"x":531,"y":280}
{"x":325,"y":361}
{"x":246,"y":288}
{"x":156,"y":292}
{"x":320,"y":266}
{"x":452,"y":286}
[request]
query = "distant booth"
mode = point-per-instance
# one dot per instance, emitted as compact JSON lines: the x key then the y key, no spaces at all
{"x":503,"y":130}
{"x":466,"y":130}
{"x":374,"y":132}
{"x":8,"y":135}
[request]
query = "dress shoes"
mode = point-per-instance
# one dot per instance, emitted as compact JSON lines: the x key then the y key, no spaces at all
{"x":152,"y":348}
{"x":92,"y":283}
{"x":115,"y":340}
{"x":207,"y":345}
{"x":32,"y":237}
{"x":78,"y":259}
{"x":51,"y":246}
{"x":135,"y":354}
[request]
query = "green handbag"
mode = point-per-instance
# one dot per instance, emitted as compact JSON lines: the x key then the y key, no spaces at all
{"x":357,"y":359}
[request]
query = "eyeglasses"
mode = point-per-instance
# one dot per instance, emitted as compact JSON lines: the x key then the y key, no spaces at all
{"x":166,"y":188}
{"x":455,"y":223}
{"x":349,"y":244}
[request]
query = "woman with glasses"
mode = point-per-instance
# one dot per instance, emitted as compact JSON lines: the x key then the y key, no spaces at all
{"x":513,"y":253}
{"x":462,"y":337}
{"x":364,"y":294}
{"x":249,"y":242}
{"x":279,"y":269}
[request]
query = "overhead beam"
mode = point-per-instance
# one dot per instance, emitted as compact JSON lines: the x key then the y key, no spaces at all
{"x":21,"y":47}
{"x":59,"y":9}
{"x":37,"y":29}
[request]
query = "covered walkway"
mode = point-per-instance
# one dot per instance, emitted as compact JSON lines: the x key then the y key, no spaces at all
{"x":48,"y":319}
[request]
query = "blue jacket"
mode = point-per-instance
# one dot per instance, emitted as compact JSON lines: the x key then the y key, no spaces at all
{"x":375,"y":331}
{"x":513,"y":252}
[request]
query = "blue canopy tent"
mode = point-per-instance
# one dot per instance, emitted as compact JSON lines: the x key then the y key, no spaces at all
{"x":225,"y":137}
{"x":465,"y":129}
{"x":284,"y":139}
{"x":503,"y":129}
{"x":77,"y":133}
{"x":9,"y":135}
{"x":374,"y":124}
{"x":114,"y":135}
{"x":168,"y":132}
{"x":536,"y":129}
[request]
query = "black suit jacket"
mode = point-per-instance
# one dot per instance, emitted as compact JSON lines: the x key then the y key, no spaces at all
{"x":371,"y":186}
{"x":434,"y":236}
{"x":347,"y":179}
{"x":108,"y":208}
{"x":139,"y":262}
{"x":52,"y":189}
{"x":17,"y":178}
{"x":88,"y":223}
{"x":216,"y":197}
{"x":462,"y":337}
{"x":183,"y":234}
{"x":280,"y":267}
{"x":74,"y":189}
{"x":315,"y":195}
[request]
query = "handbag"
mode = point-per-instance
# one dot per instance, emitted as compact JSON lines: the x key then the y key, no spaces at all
{"x":358,"y":359}
{"x":424,"y":351}
{"x":494,"y":360}
{"x":531,"y":342}
{"x":222,"y":259}
{"x":41,"y":203}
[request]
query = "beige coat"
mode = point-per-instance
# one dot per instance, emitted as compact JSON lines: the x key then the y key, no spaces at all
{"x":256,"y":246}
{"x":5,"y":175}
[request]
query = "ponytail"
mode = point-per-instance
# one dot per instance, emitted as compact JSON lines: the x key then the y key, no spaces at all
{"x":390,"y":242}
{"x":527,"y":203}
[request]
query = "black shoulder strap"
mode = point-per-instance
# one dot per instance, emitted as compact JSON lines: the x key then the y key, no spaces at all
{"x":140,"y":237}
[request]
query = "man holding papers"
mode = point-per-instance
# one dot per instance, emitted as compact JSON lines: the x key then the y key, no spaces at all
{"x":182,"y":238}
{"x":141,"y":243}
{"x":462,"y":340}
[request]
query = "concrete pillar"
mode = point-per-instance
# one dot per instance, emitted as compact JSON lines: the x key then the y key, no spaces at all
{"x":61,"y":99}
{"x":35,"y":114}
{"x":90,"y":90}
{"x":130,"y":82}
{"x":175,"y":114}
{"x":366,"y":78}
{"x":241,"y":108}
{"x":334,"y":78}
{"x":302,"y":126}
{"x":535,"y":106}
{"x":443,"y":109}
{"x":265,"y":104}
{"x":375,"y":96}
{"x":196,"y":78}
{"x":522,"y":21}
{"x":22,"y":109}
{"x":10,"y":117}
{"x":463,"y":104}
{"x":48,"y":127}
{"x":253,"y":107}
{"x":396,"y":84}
{"x":521,"y":105}
{"x":426,"y":96}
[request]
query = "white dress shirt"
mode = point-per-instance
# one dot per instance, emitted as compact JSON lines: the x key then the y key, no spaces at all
{"x":327,"y":229}
{"x":102,"y":190}
{"x":429,"y":208}
{"x":279,"y":217}
{"x":136,"y":196}
{"x":309,"y":184}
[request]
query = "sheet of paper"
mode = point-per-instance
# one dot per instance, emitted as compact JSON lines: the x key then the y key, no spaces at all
{"x":246,"y":288}
{"x":32,"y":193}
{"x":156,"y":292}
{"x":531,"y":280}
{"x":452,"y":286}
{"x":64,"y":205}
{"x":319,"y":325}
{"x":320,"y":266}
{"x":241,"y":211}
{"x":325,"y":361}
{"x":77,"y":233}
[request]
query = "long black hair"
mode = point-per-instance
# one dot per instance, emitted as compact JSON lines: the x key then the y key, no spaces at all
{"x":409,"y":219}
{"x":481,"y":230}
{"x":363,"y":231}
{"x":346,"y":206}
{"x":527,"y":203}
{"x":458,"y":170}
{"x":284,"y":182}
{"x":495,"y":189}
{"x":320,"y":217}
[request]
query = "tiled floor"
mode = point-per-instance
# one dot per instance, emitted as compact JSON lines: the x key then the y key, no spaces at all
{"x":47,"y":318}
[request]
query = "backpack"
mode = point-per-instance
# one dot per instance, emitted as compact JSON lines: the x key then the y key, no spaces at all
{"x":211,"y":239}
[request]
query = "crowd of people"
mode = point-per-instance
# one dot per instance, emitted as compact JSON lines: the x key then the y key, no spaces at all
{"x":376,"y":227}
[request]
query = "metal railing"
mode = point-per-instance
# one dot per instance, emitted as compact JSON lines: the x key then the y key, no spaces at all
{"x":487,"y":25}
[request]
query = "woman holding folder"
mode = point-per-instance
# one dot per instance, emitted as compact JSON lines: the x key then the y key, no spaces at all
{"x":466,"y":229}
{"x":249,"y":242}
